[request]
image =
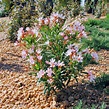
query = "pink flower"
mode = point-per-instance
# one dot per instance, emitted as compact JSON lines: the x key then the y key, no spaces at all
{"x":62,"y":34}
{"x":49,"y":72}
{"x":69,"y":29}
{"x":81,"y":28}
{"x":60,"y":64}
{"x":31,"y":50}
{"x":66,"y":37}
{"x":20,"y":33}
{"x":50,"y":81}
{"x":38,"y":51}
{"x":91,"y":77}
{"x":69,"y":52}
{"x":84,"y":34}
{"x":40,"y":74}
{"x":35,"y":31}
{"x":70,"y":46}
{"x":77,"y":26}
{"x":28,"y":29}
{"x":95,"y":56}
{"x":55,"y":17}
{"x":76,"y":48}
{"x":79,"y":58}
{"x":46,"y":21}
{"x":31,"y":60}
{"x":24,"y":54}
{"x":39,"y":57}
{"x":41,"y":21}
{"x":85,"y":51}
{"x":52,"y":62}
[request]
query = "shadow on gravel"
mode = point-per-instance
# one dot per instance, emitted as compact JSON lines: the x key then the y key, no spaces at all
{"x":11,"y":67}
{"x":84,"y":92}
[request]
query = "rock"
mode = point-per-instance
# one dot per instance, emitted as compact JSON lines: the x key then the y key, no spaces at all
{"x":71,"y":98}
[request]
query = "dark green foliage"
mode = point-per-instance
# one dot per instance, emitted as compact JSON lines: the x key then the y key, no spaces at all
{"x":98,"y":34}
{"x":92,"y":22}
{"x":3,"y":11}
{"x":104,"y":23}
{"x":102,"y":81}
{"x":80,"y":105}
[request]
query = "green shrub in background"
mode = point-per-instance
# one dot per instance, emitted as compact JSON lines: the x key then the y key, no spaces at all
{"x":23,"y":15}
{"x":4,"y":8}
{"x":7,"y":4}
{"x":44,"y":7}
{"x":67,"y":7}
{"x":98,"y":33}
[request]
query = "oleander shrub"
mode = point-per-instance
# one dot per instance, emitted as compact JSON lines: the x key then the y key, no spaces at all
{"x":55,"y":51}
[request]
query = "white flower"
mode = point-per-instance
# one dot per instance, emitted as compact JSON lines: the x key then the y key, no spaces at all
{"x":38,"y":51}
{"x":49,"y":72}
{"x":55,"y":16}
{"x":40,"y":74}
{"x":47,"y":42}
{"x":52,"y":62}
{"x":35,"y":31}
{"x":69,"y":52}
{"x":95,"y":56}
{"x":91,"y":77}
{"x":76,"y":48}
{"x":69,"y":29}
{"x":85,"y":51}
{"x":20,"y":33}
{"x":28,"y":29}
{"x":46,"y":21}
{"x":31,"y":51}
{"x":50,"y":80}
{"x":60,"y":64}
{"x":41,"y":21}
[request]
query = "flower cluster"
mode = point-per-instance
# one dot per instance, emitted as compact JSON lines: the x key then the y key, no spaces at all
{"x":52,"y":20}
{"x":54,"y":51}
